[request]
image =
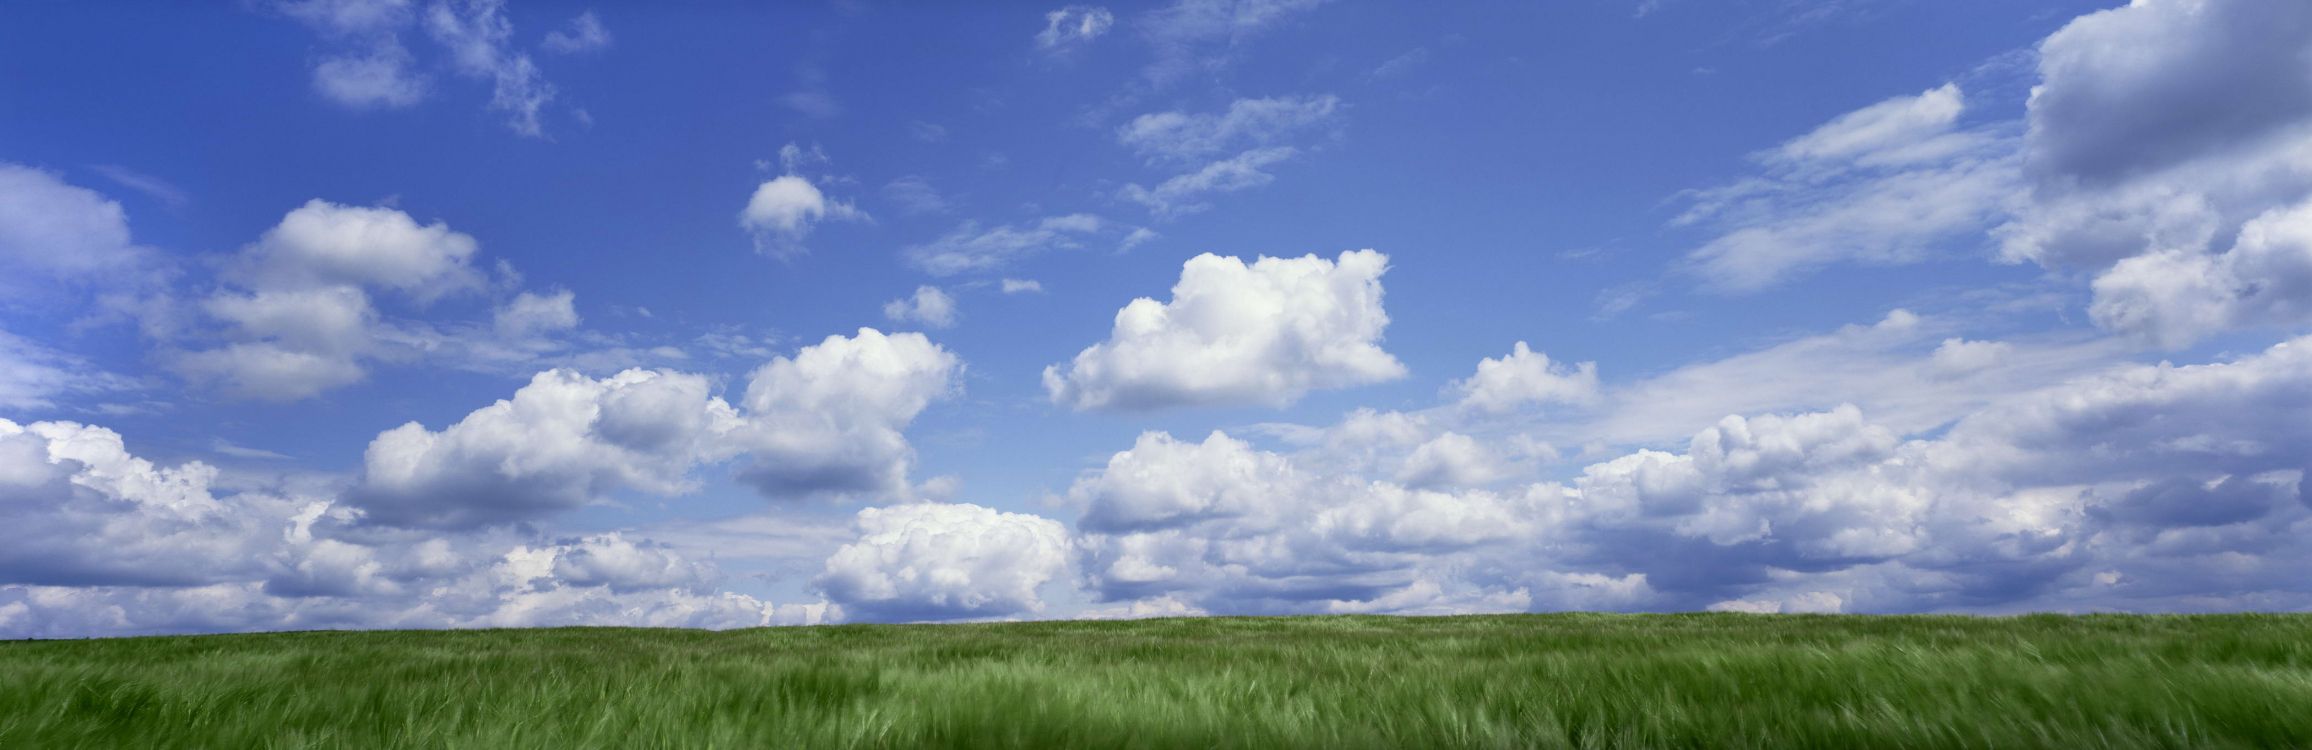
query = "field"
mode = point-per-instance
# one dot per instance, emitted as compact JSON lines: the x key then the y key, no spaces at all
{"x":1573,"y":680}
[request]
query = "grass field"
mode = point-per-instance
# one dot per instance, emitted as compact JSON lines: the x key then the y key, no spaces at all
{"x":1576,"y":680}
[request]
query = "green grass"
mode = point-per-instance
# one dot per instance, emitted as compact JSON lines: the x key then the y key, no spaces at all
{"x":1574,"y":680}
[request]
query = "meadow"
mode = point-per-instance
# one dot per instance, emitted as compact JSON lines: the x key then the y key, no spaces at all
{"x":1555,"y":680}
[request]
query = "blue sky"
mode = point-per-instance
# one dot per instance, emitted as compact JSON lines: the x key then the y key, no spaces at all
{"x":367,"y":313}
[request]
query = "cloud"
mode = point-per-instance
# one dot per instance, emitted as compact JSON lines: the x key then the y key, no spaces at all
{"x":1191,"y":36}
{"x":1179,"y":195}
{"x":33,"y":376}
{"x":1185,"y":138}
{"x":1022,"y":286}
{"x":1892,"y":130}
{"x":1226,"y":528}
{"x":784,"y":209}
{"x":98,"y":541}
{"x":367,"y":65}
{"x":476,"y":33}
{"x":927,"y":132}
{"x":528,"y":315}
{"x":915,"y":196}
{"x":1892,"y":183}
{"x":303,"y":321}
{"x":828,"y":420}
{"x":1073,"y":26}
{"x":562,"y":441}
{"x":1527,"y":377}
{"x":1264,"y":333}
{"x":159,"y":189}
{"x":938,"y":561}
{"x":2157,"y":133}
{"x":971,"y":247}
{"x":324,"y":244}
{"x":1889,"y":368}
{"x":928,"y":306}
{"x":816,"y":104}
{"x":584,"y":33}
{"x":52,"y":229}
{"x":377,"y":78}
{"x":2160,"y":132}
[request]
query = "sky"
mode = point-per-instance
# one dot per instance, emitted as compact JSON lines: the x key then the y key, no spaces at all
{"x":479,"y":313}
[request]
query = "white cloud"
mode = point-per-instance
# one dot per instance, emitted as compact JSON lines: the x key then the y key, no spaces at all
{"x":52,"y":229}
{"x":323,"y":243}
{"x":584,"y":33}
{"x":476,"y":33}
{"x":377,"y":78}
{"x":1138,"y":236}
{"x":562,"y":441}
{"x":159,"y":189}
{"x":1892,"y":183}
{"x":33,"y":375}
{"x":1073,"y":26}
{"x":1186,"y":138}
{"x":529,"y":314}
{"x":1265,"y":333}
{"x":928,"y":306}
{"x":915,"y":196}
{"x":1191,"y":36}
{"x":1222,"y":527}
{"x":830,"y":419}
{"x":1022,"y":286}
{"x":827,"y":420}
{"x":1889,"y":131}
{"x":1888,"y":368}
{"x":1526,"y":377}
{"x":305,"y":322}
{"x":1957,"y":356}
{"x":783,"y":210}
{"x":100,"y":542}
{"x":971,"y":247}
{"x":936,"y":561}
{"x":1180,"y":195}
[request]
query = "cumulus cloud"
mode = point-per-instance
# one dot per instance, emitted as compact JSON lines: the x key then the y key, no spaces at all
{"x":938,"y":561}
{"x":1526,"y":377}
{"x":830,"y":419}
{"x":101,"y":542}
{"x":971,"y":247}
{"x":1264,"y":333}
{"x":928,"y":306}
{"x":303,"y":320}
{"x":1224,"y":527}
{"x":1073,"y":26}
{"x":322,"y":244}
{"x":2159,"y":132}
{"x":783,"y":210}
{"x":53,"y":229}
{"x":827,"y":420}
{"x":562,"y":441}
{"x":529,"y":314}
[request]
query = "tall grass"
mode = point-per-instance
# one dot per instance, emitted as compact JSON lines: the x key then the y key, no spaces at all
{"x":1573,"y":680}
